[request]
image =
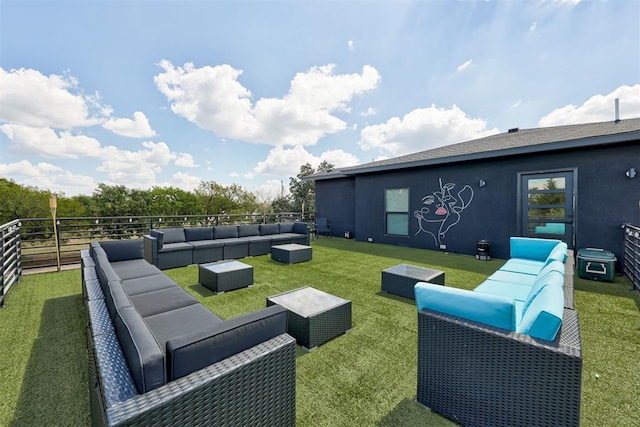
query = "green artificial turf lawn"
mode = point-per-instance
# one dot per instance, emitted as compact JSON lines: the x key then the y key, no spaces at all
{"x":366,"y":377}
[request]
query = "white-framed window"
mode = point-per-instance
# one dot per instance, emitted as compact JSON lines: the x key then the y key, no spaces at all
{"x":396,"y":207}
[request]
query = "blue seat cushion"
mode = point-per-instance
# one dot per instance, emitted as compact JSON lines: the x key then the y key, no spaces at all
{"x":510,"y":290}
{"x":525,"y":266}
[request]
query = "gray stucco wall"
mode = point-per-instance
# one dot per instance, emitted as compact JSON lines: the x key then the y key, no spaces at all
{"x":605,"y":199}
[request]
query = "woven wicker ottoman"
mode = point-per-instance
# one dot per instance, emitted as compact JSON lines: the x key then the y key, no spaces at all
{"x":401,"y":279}
{"x":291,"y":253}
{"x":225,"y":275}
{"x":315,"y":317}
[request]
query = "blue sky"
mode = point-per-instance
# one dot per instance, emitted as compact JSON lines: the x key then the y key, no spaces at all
{"x":157,"y":93}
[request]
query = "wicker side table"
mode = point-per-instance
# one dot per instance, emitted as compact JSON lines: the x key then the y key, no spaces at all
{"x":315,"y":317}
{"x":225,"y":275}
{"x":401,"y":279}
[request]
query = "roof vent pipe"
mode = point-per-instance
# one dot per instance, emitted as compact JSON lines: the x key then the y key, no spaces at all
{"x":513,"y":130}
{"x":617,"y":110}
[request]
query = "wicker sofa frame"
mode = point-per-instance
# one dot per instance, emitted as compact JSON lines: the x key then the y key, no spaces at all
{"x":254,"y":387}
{"x":479,"y":375}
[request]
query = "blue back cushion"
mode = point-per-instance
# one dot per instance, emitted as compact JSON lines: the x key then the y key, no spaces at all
{"x":268,"y":229}
{"x":558,"y":253}
{"x":144,"y":355}
{"x":493,"y":310}
{"x":123,"y":250}
{"x":530,"y":248}
{"x":543,"y":317}
{"x":300,"y":228}
{"x":549,"y":278}
{"x":198,"y":233}
{"x":248,"y":230}
{"x":173,"y":235}
{"x":225,"y":231}
{"x":286,"y":227}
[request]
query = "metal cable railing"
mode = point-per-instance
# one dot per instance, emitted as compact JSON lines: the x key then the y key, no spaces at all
{"x":10,"y":256}
{"x":631,"y":264}
{"x":31,"y":242}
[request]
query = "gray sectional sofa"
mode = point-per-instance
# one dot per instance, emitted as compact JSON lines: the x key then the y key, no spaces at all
{"x":179,"y":247}
{"x":159,"y":357}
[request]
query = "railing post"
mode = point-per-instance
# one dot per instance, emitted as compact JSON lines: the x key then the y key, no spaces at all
{"x":2,"y":269}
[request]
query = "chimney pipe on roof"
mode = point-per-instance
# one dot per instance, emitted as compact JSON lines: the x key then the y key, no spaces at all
{"x":617,"y":110}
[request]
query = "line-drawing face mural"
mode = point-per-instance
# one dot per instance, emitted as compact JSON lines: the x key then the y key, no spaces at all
{"x":442,"y":210}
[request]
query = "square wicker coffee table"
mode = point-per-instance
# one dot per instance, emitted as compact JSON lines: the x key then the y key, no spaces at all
{"x":315,"y":317}
{"x":291,"y":253}
{"x":400,"y":279}
{"x":225,"y":275}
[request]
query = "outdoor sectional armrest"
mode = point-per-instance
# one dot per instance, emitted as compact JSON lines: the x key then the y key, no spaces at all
{"x":532,"y":381}
{"x":212,"y":344}
{"x":150,"y":249}
{"x":261,"y":377}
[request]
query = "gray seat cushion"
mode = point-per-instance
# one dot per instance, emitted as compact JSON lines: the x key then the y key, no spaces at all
{"x":175,"y":247}
{"x":202,"y":244}
{"x":131,"y":269}
{"x":175,"y":323}
{"x":140,"y":285}
{"x":162,"y":300}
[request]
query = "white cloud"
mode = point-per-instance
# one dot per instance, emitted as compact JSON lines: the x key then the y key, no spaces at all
{"x":137,"y":128}
{"x":350,"y":44}
{"x":598,"y":108}
{"x":140,"y":168}
{"x":287,"y":161}
{"x":422,"y":129}
{"x":30,"y":98}
{"x":516,"y":104}
{"x":370,"y":112}
{"x":213,"y":98}
{"x":185,"y":181}
{"x":464,"y":66}
{"x":533,"y":27}
{"x":46,"y":142}
{"x":47,"y":176}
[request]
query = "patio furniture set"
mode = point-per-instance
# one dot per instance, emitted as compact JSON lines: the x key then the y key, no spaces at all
{"x":178,"y":247}
{"x":158,"y":357}
{"x":509,"y":352}
{"x":506,"y":353}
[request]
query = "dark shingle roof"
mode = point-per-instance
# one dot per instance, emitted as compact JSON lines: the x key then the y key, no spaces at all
{"x":523,"y":141}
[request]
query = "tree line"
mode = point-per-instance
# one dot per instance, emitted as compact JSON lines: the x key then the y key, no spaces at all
{"x":209,"y":198}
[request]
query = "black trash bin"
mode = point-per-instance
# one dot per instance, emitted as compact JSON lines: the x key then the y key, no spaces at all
{"x":483,"y":251}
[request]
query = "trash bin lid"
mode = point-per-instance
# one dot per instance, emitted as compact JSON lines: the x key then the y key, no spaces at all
{"x":595,"y":254}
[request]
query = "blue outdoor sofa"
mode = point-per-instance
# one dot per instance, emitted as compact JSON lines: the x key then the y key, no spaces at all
{"x":507,"y":353}
{"x":178,"y":247}
{"x":159,"y":357}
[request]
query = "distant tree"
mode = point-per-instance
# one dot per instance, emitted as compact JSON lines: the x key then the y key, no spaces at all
{"x":305,"y":191}
{"x":214,"y":199}
{"x":282,"y":204}
{"x":112,"y":200}
{"x":20,"y":201}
